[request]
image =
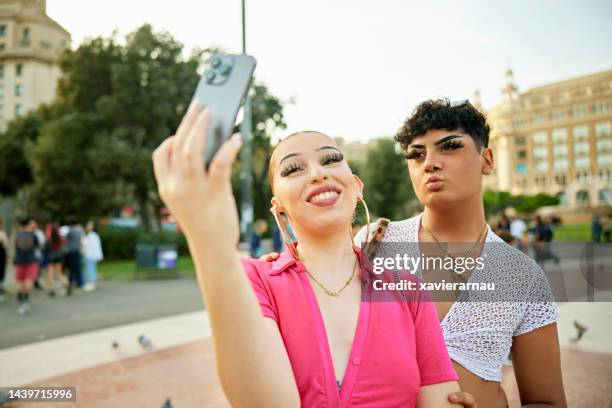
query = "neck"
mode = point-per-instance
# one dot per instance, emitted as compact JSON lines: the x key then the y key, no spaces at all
{"x":459,"y":223}
{"x":330,"y":253}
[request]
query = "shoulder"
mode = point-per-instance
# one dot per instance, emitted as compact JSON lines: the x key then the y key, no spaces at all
{"x":397,"y":231}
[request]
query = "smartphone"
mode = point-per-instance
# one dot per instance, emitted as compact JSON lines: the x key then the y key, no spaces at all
{"x":222,"y":89}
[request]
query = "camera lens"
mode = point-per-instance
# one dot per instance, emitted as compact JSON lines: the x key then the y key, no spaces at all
{"x":215,"y":62}
{"x":210,"y":76}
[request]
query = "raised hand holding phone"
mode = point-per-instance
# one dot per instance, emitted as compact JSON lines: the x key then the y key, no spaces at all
{"x":200,"y":199}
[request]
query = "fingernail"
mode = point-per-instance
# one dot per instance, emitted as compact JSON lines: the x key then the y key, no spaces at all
{"x":454,"y":397}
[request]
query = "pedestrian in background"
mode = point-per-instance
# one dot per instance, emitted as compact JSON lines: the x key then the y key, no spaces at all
{"x":93,"y":254}
{"x":4,"y":244}
{"x":74,"y":247}
{"x":596,"y":229}
{"x":26,"y":264}
{"x":259,"y":229}
{"x":54,"y":248}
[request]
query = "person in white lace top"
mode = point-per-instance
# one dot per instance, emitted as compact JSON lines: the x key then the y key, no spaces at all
{"x":446,"y":146}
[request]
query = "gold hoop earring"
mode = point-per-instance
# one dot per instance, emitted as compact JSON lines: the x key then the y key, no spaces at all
{"x":285,"y":235}
{"x":367,"y":213}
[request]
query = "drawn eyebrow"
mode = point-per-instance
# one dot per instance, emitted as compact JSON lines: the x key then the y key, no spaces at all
{"x":318,"y":150}
{"x":439,"y":142}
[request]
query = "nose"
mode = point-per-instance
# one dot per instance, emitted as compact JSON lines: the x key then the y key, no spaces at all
{"x":432,"y":163}
{"x":316,"y":173}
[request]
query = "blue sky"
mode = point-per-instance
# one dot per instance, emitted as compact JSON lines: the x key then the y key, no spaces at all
{"x":357,"y":68}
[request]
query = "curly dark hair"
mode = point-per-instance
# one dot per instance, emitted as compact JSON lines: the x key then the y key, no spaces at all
{"x":441,"y":114}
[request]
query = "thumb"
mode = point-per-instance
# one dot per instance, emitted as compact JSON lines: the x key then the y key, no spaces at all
{"x":221,"y":164}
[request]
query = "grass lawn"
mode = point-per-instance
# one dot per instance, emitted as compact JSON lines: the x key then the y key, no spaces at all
{"x":126,"y":269}
{"x":573,"y":232}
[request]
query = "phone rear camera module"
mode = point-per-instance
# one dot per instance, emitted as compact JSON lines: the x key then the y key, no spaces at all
{"x":219,"y":70}
{"x":210,"y":77}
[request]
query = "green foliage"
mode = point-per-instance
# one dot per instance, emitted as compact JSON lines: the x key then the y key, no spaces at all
{"x":267,"y":116}
{"x":120,"y":243}
{"x":15,"y":170}
{"x":89,"y":153}
{"x":496,"y":201}
{"x":388,"y":189}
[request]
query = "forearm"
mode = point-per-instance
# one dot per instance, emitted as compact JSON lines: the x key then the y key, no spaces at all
{"x":252,"y":362}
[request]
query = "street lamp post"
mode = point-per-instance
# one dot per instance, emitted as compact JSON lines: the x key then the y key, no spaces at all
{"x":246,"y":207}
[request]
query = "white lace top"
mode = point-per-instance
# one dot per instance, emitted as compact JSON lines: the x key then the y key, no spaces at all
{"x":478,"y":333}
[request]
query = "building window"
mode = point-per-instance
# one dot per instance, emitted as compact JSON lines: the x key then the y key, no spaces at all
{"x":560,"y":164}
{"x":558,"y":116}
{"x":581,"y":148}
{"x":2,"y":46}
{"x":560,"y":150}
{"x":582,"y":197}
{"x":603,"y":129}
{"x":519,"y":140}
{"x":602,"y":107}
{"x":581,"y":162}
{"x":3,"y":30}
{"x":18,"y":109}
{"x":1,"y":110}
{"x":25,"y":36}
{"x":18,"y":89}
{"x":560,"y":179}
{"x":538,"y":118}
{"x":581,"y":132}
{"x":539,"y":137}
{"x":559,"y":135}
{"x":540,"y":152}
{"x":541,"y":166}
{"x":521,"y":168}
{"x":1,"y":70}
{"x":579,"y":111}
{"x":18,"y":69}
{"x":605,"y":196}
{"x":521,"y":154}
{"x":604,"y":145}
{"x":604,"y":160}
{"x":1,"y":91}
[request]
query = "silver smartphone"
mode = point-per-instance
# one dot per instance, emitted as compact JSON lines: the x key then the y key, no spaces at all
{"x":222,"y":89}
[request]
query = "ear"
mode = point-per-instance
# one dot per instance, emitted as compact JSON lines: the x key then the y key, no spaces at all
{"x":275,"y":202}
{"x":358,"y":184}
{"x":489,"y":163}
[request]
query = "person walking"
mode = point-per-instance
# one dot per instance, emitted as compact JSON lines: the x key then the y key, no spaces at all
{"x":74,"y":246}
{"x":26,"y":264}
{"x":54,"y":247}
{"x":93,"y":254}
{"x":4,"y":244}
{"x":596,"y":229}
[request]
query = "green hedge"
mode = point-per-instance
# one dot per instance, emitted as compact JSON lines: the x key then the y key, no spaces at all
{"x":120,"y":242}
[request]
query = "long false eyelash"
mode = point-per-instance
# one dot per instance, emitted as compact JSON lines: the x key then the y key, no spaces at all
{"x":332,"y":158}
{"x":290,"y":169}
{"x":413,"y":154}
{"x":452,"y":145}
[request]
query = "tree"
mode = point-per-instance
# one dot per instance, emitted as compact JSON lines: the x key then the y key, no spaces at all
{"x":388,"y":189}
{"x":74,"y":167}
{"x":115,"y":104}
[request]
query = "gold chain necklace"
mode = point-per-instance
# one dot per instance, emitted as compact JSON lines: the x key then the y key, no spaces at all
{"x":337,"y":292}
{"x":469,"y":254}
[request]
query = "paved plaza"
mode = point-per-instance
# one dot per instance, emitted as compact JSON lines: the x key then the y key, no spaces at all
{"x":68,"y":341}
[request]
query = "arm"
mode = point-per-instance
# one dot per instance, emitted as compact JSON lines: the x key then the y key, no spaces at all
{"x":437,"y":395}
{"x":252,"y":362}
{"x":537,"y":367}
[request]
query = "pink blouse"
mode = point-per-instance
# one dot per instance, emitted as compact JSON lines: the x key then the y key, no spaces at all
{"x":398,"y":346}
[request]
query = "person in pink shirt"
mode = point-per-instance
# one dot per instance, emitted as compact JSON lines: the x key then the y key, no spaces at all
{"x":299,"y":331}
